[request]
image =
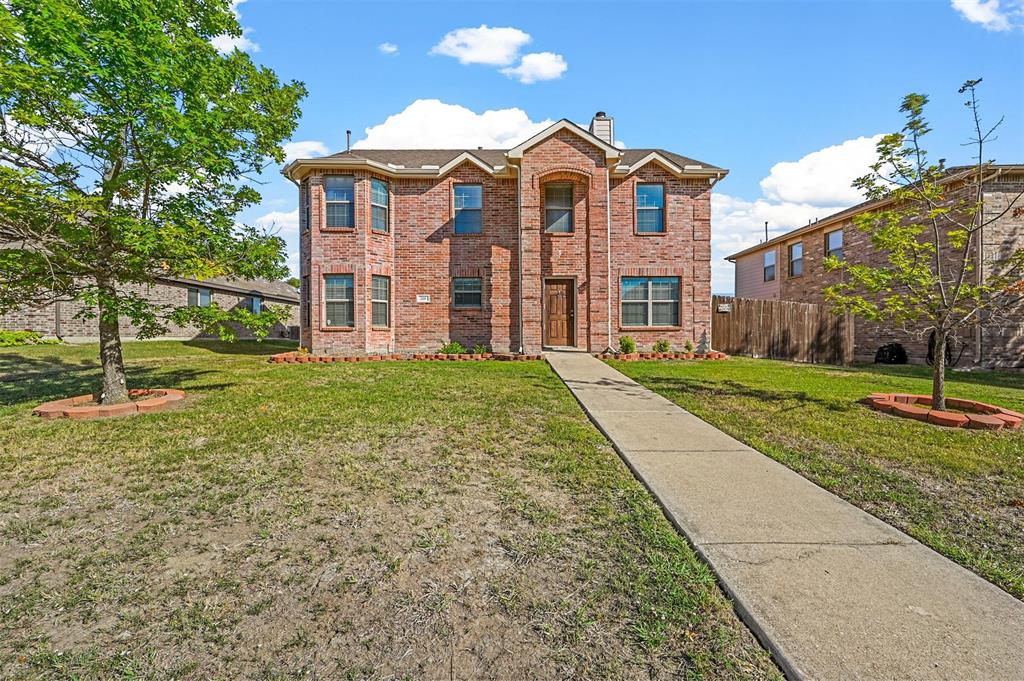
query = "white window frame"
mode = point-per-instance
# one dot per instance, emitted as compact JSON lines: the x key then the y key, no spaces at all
{"x":351,"y":301}
{"x":462,"y":209}
{"x":832,"y":251}
{"x":350,"y":203}
{"x":650,"y":300}
{"x":548,"y":208}
{"x":479,"y":292}
{"x":375,"y":207}
{"x":769,"y":268}
{"x":375,"y":301}
{"x":791,"y":259}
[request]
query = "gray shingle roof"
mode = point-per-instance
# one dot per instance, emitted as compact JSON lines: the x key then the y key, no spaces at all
{"x":417,"y":158}
{"x":261,"y":287}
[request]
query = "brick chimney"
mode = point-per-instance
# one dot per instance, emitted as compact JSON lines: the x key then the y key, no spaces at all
{"x":603,"y":127}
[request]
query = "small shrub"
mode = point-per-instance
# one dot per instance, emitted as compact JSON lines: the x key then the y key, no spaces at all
{"x":452,"y":348}
{"x":662,"y":346}
{"x":480,"y":349}
{"x":688,"y":346}
{"x":891,"y":353}
{"x":627,"y":345}
{"x":9,"y":339}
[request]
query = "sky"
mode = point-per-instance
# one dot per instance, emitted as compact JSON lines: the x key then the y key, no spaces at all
{"x":789,"y":96}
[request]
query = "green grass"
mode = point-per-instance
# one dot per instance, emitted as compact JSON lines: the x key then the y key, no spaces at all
{"x":379,"y":520}
{"x":959,"y":491}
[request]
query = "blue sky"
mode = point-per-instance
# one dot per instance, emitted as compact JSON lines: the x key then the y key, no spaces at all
{"x":787,"y":95}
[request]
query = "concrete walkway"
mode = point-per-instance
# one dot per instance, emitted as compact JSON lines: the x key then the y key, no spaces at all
{"x":832,"y":591}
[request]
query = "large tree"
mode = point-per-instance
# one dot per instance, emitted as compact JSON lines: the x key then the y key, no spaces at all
{"x":934,"y":277}
{"x":128,"y":143}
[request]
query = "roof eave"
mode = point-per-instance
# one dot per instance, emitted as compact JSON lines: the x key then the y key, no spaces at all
{"x":299,"y":168}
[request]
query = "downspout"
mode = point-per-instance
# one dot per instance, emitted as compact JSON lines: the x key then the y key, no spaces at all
{"x":608,"y":248}
{"x":519,"y":242}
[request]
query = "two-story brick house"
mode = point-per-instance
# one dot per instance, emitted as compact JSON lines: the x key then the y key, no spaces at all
{"x":563,"y":240}
{"x":791,"y":267}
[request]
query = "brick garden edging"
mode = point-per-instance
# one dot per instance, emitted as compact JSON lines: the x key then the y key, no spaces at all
{"x":296,"y":358}
{"x":634,"y":356}
{"x":980,"y":416}
{"x":85,"y":407}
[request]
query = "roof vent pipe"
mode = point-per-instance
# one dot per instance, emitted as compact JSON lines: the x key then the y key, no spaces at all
{"x":348,"y":140}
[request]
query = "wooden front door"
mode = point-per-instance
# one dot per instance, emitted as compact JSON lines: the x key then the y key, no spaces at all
{"x":559,"y":325}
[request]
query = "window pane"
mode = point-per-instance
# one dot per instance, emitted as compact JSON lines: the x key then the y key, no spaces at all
{"x":634,"y":288}
{"x":468,"y":221}
{"x":338,"y":187}
{"x":634,"y":314}
{"x":379,"y":192}
{"x":769,"y":258}
{"x":339,"y":215}
{"x":339,"y":314}
{"x":380,"y":219}
{"x":338,"y":287}
{"x":193,"y":297}
{"x":558,"y":220}
{"x":665,"y":288}
{"x":665,"y":314}
{"x":468,"y":292}
{"x":796,"y":251}
{"x":769,"y":273}
{"x":650,"y":196}
{"x":204,"y":297}
{"x":380,"y":314}
{"x":650,"y":220}
{"x":381,"y":286}
{"x":796,"y":267}
{"x":835,"y":239}
{"x":558,"y":196}
{"x":468,"y":196}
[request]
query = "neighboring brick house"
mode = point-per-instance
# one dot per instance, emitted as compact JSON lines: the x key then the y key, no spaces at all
{"x":61,"y":320}
{"x":790,"y":267}
{"x":563,"y":240}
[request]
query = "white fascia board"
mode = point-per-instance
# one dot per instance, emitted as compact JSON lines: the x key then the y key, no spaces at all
{"x":298,"y":169}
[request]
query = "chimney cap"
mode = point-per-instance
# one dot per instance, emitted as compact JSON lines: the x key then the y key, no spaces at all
{"x":600,"y":114}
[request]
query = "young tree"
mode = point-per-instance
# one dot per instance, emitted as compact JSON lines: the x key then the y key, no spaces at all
{"x":127,"y":145}
{"x":936,"y":277}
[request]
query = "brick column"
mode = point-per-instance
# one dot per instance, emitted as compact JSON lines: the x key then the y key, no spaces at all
{"x":598,"y":275}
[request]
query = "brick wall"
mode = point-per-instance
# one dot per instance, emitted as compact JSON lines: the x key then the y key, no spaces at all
{"x":76,"y":328}
{"x":422,"y":254}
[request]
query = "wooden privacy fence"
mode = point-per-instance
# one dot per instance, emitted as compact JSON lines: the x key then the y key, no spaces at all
{"x":781,"y":329}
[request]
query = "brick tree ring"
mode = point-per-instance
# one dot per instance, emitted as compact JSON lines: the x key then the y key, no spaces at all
{"x":972,"y":414}
{"x":143,"y":401}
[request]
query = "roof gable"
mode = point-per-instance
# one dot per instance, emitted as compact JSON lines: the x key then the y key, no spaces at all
{"x":610,"y":152}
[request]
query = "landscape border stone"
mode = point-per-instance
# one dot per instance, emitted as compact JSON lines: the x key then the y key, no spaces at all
{"x":83,"y":407}
{"x":981,"y":416}
{"x":294,"y":357}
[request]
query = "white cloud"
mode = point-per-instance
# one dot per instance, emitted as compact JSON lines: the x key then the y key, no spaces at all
{"x":304,"y":149}
{"x":226,"y":43}
{"x":482,"y":45}
{"x":293,"y":263}
{"x":794,"y":193}
{"x":822,"y":178}
{"x":991,"y":14}
{"x":279,"y":221}
{"x":388,"y":48}
{"x":537,"y":66}
{"x":433,"y":124}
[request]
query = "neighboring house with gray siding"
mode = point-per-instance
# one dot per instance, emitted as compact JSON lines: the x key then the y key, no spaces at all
{"x":62,"y":319}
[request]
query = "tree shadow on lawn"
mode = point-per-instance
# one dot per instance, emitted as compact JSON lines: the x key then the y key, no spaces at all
{"x":992,"y":379}
{"x":243,"y":347}
{"x":796,"y":399}
{"x":36,"y":380}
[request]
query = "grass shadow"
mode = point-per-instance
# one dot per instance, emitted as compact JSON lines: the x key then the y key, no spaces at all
{"x":251,"y":348}
{"x":735,"y":389}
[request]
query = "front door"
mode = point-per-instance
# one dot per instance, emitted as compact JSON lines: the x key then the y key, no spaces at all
{"x":559,"y":327}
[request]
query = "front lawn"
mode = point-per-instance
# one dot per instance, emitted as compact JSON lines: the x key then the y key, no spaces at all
{"x":379,"y":520}
{"x":961,"y":492}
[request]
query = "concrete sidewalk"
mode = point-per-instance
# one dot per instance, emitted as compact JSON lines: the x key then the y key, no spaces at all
{"x":832,"y":591}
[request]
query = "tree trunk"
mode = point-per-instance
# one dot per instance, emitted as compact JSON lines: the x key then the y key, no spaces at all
{"x":939,"y":372}
{"x":115,"y":385}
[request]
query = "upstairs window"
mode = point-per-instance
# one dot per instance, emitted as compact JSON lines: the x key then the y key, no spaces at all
{"x":338,"y":194}
{"x":339,"y":295}
{"x":468,"y":208}
{"x":467,"y":292}
{"x":379,"y":206}
{"x":650,"y":208}
{"x":381,"y":297}
{"x":796,"y":259}
{"x":769,"y":265}
{"x":650,"y":301}
{"x":199,"y":297}
{"x":558,"y":208}
{"x":834,"y":244}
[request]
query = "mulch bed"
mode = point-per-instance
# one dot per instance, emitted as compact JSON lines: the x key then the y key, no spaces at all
{"x":297,"y":358}
{"x":634,"y":356}
{"x":973,"y":414}
{"x":143,"y":401}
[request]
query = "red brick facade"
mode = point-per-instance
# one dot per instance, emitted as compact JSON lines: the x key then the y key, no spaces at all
{"x":422,"y":254}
